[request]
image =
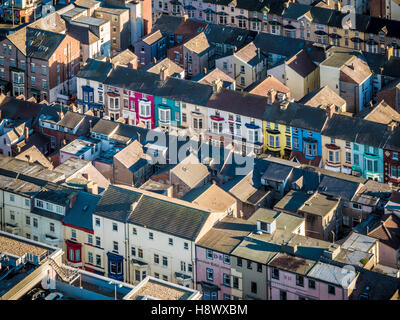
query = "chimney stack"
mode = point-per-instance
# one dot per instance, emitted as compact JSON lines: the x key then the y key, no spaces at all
{"x":26,"y":133}
{"x":217,"y":85}
{"x":330,"y":110}
{"x":163,"y":73}
{"x":271,"y":95}
{"x":392,"y":125}
{"x":389,"y":52}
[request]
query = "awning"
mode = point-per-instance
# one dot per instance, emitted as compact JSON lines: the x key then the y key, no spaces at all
{"x":320,"y":33}
{"x":335,"y":36}
{"x":35,"y":91}
{"x":355,"y":39}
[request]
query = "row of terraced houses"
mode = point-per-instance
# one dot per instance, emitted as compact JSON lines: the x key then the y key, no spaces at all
{"x":295,"y":20}
{"x":309,"y":135}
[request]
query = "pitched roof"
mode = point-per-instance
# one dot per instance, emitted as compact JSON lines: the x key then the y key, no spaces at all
{"x":167,"y":24}
{"x":233,"y":101}
{"x":172,"y":67}
{"x":214,"y":199}
{"x":80,"y":214}
{"x":105,"y":127}
{"x":382,"y":113}
{"x":18,"y":38}
{"x":226,"y":234}
{"x":124,"y":58}
{"x":355,"y":71}
{"x":267,"y":84}
{"x":152,"y":37}
{"x":296,"y":115}
{"x":116,"y":203}
{"x":249,"y":54}
{"x":130,"y":155}
{"x":70,"y":120}
{"x":302,"y":63}
{"x":338,"y":187}
{"x":388,"y":232}
{"x":323,"y":97}
{"x":166,"y":215}
{"x":33,"y":154}
{"x":190,"y":171}
{"x":216,"y":74}
{"x":198,"y":44}
{"x":94,"y":70}
{"x":41,"y":44}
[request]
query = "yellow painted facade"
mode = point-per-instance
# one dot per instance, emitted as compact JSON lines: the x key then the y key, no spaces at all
{"x":277,"y":139}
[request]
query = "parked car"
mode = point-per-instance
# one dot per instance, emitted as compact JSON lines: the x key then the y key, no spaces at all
{"x":54,"y":296}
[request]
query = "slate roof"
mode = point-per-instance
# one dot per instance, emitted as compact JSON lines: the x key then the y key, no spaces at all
{"x":80,"y":214}
{"x":116,"y":203}
{"x":277,"y":172}
{"x":167,"y":24}
{"x":83,"y":34}
{"x":296,"y":115}
{"x":41,"y":44}
{"x":169,"y":217}
{"x":124,"y":57}
{"x":243,"y":103}
{"x":105,"y":127}
{"x":226,"y":35}
{"x":226,"y":234}
{"x":18,"y":38}
{"x":152,"y":37}
{"x":338,"y":187}
{"x":95,"y":70}
{"x":71,"y":120}
{"x":279,"y":45}
{"x":302,"y":63}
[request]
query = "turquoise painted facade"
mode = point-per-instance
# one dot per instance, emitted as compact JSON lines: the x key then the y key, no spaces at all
{"x":368,"y":161}
{"x":167,"y":112}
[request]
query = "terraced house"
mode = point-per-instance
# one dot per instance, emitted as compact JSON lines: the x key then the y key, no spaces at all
{"x":295,"y":20}
{"x":293,"y":131}
{"x":140,"y":233}
{"x":230,"y":123}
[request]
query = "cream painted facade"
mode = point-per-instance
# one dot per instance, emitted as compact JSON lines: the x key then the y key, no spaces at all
{"x":336,"y":154}
{"x":300,"y":86}
{"x":179,"y":254}
{"x":245,"y":74}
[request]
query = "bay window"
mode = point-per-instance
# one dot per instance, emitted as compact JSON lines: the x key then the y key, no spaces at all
{"x":274,"y":141}
{"x":144,"y":109}
{"x":216,"y":126}
{"x":165,"y":115}
{"x":311,"y":149}
{"x":253,"y":135}
{"x":114,"y":103}
{"x":372,"y":165}
{"x":333,"y":156}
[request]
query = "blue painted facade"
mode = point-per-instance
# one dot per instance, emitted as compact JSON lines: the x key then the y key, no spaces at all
{"x":307,"y":142}
{"x":115,"y":266}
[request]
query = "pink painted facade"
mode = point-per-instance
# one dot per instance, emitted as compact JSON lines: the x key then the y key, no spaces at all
{"x":135,"y":99}
{"x":287,"y":283}
{"x":219,"y":269}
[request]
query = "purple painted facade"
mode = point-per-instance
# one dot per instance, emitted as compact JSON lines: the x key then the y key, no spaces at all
{"x":212,"y":288}
{"x":137,"y":99}
{"x":287,"y":284}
